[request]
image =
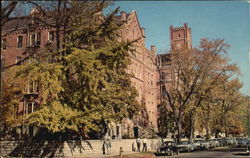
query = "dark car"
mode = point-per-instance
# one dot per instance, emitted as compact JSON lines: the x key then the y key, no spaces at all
{"x":169,"y":148}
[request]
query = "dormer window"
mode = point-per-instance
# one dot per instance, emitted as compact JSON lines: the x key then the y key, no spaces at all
{"x":19,"y":41}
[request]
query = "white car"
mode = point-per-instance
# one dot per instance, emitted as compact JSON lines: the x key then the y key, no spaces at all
{"x":186,"y":146}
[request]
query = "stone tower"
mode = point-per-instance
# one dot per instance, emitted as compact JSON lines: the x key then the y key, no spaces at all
{"x":180,"y":36}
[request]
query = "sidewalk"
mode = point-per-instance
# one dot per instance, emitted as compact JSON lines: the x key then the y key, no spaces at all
{"x":136,"y":155}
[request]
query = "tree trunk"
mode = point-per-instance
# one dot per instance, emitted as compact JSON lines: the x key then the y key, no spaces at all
{"x":179,"y":131}
{"x":226,"y":132}
{"x":207,"y":132}
{"x":216,"y":133}
{"x":191,"y":128}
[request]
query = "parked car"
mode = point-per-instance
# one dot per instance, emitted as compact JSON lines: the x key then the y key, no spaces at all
{"x":213,"y":143}
{"x":223,"y":142}
{"x":197,"y":144}
{"x":248,"y":147}
{"x":169,"y":148}
{"x":229,"y":141}
{"x":242,"y":142}
{"x":186,"y":146}
{"x":216,"y":142}
{"x":204,"y":144}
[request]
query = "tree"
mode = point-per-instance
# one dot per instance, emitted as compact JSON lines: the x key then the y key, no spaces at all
{"x":10,"y":102}
{"x":165,"y":121}
{"x":229,"y":108}
{"x":194,"y":70}
{"x":81,"y":91}
{"x":246,"y":119}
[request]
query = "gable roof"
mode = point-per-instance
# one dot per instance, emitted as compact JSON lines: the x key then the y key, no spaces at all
{"x":128,"y":15}
{"x":18,"y":23}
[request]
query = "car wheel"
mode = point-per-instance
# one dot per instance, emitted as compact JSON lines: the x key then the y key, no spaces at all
{"x":177,"y":152}
{"x":171,"y":153}
{"x":158,"y":151}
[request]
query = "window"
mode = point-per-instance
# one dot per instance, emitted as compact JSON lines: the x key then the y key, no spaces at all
{"x":19,"y":41}
{"x":32,"y":87}
{"x":3,"y":46}
{"x":35,"y":39}
{"x":38,"y":38}
{"x":2,"y":64}
{"x":148,"y":77}
{"x":18,"y":59}
{"x":51,"y":36}
{"x":31,"y":107}
{"x":163,"y":76}
{"x":179,"y":35}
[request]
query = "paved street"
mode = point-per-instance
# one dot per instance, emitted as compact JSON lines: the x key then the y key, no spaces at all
{"x":218,"y":152}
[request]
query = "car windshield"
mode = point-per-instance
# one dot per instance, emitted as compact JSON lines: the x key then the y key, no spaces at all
{"x":168,"y":143}
{"x":185,"y":142}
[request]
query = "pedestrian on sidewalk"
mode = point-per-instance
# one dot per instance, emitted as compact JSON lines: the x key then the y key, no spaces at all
{"x":133,"y":147}
{"x":109,"y":145}
{"x":145,"y":148}
{"x":104,"y":146}
{"x":138,"y":142}
{"x":121,"y":151}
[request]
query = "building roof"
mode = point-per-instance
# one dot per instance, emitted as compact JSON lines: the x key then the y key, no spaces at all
{"x":25,"y":21}
{"x":19,"y":23}
{"x":118,"y":18}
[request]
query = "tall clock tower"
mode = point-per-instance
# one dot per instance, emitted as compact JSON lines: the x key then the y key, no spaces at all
{"x":180,"y":36}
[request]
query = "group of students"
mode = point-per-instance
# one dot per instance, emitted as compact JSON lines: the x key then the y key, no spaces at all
{"x":144,"y":142}
{"x":139,"y":142}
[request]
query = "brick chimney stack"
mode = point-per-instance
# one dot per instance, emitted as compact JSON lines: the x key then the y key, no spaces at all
{"x":143,"y":32}
{"x":123,"y":16}
{"x":153,"y":48}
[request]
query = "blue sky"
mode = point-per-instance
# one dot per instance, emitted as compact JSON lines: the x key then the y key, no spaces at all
{"x":229,"y":20}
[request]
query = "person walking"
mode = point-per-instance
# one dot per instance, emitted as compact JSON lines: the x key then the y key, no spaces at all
{"x":144,"y":149}
{"x":138,"y":142}
{"x":104,"y":146}
{"x":109,"y":145}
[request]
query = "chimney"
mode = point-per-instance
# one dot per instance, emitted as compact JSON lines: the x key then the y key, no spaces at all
{"x":34,"y":11}
{"x":34,"y":14}
{"x":153,"y":49}
{"x":185,"y":25}
{"x":143,"y":32}
{"x":186,"y":29}
{"x":123,"y":16}
{"x":171,"y":32}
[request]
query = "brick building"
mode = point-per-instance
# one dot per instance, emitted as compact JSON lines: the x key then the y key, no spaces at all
{"x":143,"y":66}
{"x":17,"y":43}
{"x":179,"y":37}
{"x":21,"y":37}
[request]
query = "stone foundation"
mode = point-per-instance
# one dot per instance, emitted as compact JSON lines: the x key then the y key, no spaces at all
{"x":85,"y":149}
